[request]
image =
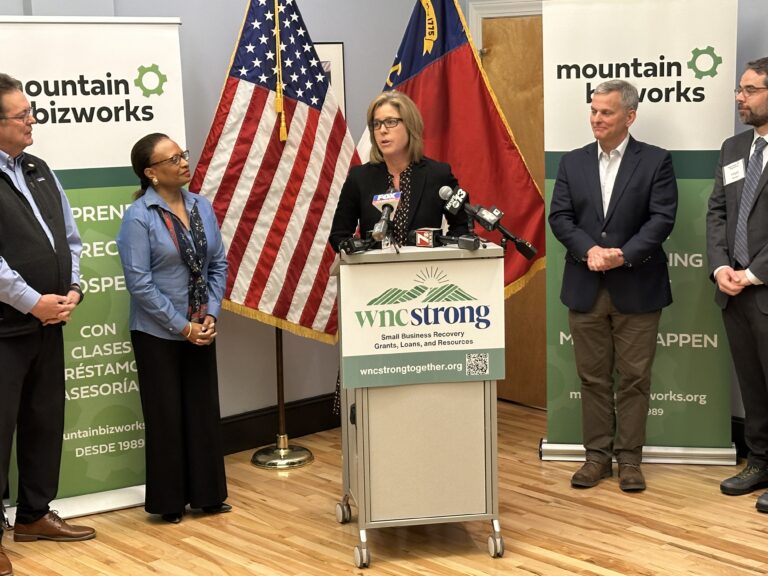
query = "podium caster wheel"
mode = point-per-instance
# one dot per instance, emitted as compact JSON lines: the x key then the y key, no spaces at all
{"x":343,"y":513}
{"x":495,"y":546}
{"x":362,"y":557}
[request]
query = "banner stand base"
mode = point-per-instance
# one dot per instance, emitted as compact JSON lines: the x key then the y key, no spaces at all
{"x":651,"y":454}
{"x":88,"y":504}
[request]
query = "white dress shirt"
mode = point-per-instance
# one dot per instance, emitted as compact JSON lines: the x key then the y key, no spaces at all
{"x":609,"y":163}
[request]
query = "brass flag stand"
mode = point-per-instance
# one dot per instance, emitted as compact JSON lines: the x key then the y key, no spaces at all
{"x":281,"y":455}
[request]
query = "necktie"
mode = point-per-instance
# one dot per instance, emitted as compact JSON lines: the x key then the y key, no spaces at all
{"x":755,"y":168}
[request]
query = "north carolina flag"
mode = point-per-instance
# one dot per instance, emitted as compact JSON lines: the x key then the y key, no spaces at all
{"x":275,"y":196}
{"x":438,"y":67}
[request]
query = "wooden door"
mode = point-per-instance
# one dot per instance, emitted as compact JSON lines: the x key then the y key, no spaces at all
{"x":512,"y":58}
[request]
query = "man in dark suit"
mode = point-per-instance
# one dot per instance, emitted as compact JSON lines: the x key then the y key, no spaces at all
{"x":39,"y":288}
{"x":613,"y":205}
{"x":737,"y":248}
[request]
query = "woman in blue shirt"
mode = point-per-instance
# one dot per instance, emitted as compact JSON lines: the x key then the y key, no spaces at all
{"x":176,"y":272}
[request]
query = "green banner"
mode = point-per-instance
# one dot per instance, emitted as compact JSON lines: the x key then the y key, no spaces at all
{"x":684,"y":73}
{"x":104,"y":430}
{"x":89,"y":112}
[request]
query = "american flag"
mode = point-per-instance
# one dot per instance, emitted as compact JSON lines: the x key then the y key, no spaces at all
{"x":438,"y":67}
{"x":275,"y":199}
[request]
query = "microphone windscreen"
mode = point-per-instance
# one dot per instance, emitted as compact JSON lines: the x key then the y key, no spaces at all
{"x":445,"y":192}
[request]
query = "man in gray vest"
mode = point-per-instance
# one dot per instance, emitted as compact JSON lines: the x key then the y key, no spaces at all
{"x":39,"y":287}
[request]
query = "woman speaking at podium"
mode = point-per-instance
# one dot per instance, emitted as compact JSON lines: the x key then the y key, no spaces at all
{"x":397,"y":163}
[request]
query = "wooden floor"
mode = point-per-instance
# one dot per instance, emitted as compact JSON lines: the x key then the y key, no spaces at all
{"x":284,"y":523}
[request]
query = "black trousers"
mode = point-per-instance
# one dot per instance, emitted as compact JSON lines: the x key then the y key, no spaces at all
{"x":32,"y":403}
{"x":747,"y":329}
{"x":179,"y":390}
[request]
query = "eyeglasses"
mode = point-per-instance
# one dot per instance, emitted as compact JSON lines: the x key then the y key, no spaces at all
{"x":175,"y":159}
{"x":749,"y":90}
{"x":388,"y":122}
{"x":22,"y":117}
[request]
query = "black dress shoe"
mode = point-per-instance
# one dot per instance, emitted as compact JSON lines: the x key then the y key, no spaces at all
{"x":174,"y":518}
{"x":762,"y":503}
{"x":748,"y":480}
{"x":217,"y":509}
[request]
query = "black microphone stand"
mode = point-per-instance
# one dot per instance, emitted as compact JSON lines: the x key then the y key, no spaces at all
{"x":525,"y":248}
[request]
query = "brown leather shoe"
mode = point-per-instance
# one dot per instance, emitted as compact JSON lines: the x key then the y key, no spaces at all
{"x":631,"y":478}
{"x":591,"y":473}
{"x":51,"y":527}
{"x":5,"y":564}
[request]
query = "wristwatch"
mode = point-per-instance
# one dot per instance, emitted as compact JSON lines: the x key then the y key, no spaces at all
{"x":76,"y":288}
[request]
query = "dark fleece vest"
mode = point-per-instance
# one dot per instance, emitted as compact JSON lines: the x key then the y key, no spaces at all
{"x":24,"y":245}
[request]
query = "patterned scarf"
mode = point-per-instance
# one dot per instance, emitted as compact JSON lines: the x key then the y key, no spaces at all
{"x":401,"y":214}
{"x":193,"y":255}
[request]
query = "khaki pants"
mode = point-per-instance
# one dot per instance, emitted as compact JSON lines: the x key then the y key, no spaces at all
{"x":606,"y":341}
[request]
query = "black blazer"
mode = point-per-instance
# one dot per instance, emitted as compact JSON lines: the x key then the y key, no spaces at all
{"x":425,"y":208}
{"x":724,"y":211}
{"x":640,"y":217}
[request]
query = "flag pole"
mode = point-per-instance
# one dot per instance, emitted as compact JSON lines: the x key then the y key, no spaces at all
{"x":281,"y":455}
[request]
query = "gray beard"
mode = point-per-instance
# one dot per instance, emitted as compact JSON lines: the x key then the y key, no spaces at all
{"x":755,"y":120}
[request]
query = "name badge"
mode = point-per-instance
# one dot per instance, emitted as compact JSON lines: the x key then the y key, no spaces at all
{"x":733,"y":172}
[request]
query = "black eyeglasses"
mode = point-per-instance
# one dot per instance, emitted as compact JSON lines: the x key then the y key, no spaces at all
{"x":22,"y":117}
{"x":749,"y":90}
{"x":388,"y":122}
{"x":175,"y":159}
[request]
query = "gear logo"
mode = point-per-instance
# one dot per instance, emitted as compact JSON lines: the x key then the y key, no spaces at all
{"x":706,"y":56}
{"x":150,"y":80}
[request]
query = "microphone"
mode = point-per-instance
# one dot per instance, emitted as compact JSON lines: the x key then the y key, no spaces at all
{"x":431,"y":238}
{"x":490,"y":219}
{"x":455,"y":201}
{"x":353,"y":245}
{"x":463,"y":242}
{"x":30,"y":168}
{"x":386,"y":204}
{"x":423,"y":237}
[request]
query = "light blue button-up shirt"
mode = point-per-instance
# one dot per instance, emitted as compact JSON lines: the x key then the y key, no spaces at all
{"x":156,"y":276}
{"x":14,"y":291}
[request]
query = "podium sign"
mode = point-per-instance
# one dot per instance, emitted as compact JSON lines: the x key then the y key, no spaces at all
{"x":419,"y":319}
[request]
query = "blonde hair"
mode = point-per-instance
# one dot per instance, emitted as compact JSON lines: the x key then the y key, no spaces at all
{"x":412,"y":121}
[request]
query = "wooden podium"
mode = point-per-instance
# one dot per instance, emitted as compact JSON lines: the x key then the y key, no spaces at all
{"x":422,"y":344}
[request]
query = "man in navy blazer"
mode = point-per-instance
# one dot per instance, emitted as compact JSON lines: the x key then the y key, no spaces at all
{"x":737,"y":250}
{"x":613,"y":205}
